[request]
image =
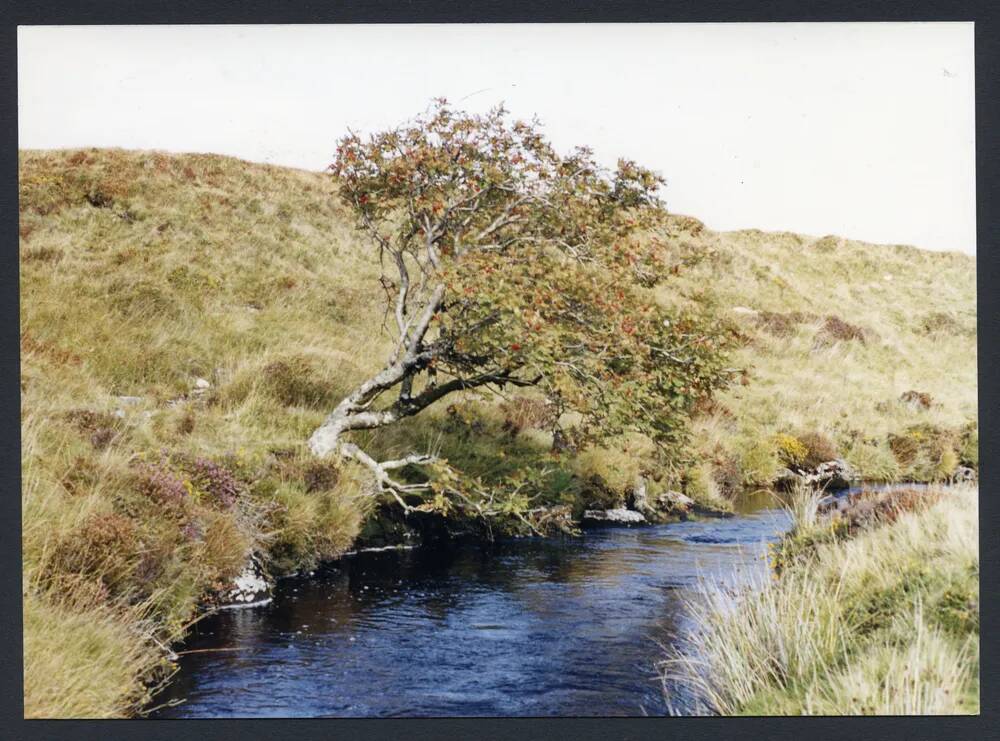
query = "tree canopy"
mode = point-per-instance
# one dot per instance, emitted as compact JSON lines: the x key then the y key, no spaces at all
{"x":508,"y":264}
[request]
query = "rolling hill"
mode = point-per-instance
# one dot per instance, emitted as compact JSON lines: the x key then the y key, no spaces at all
{"x":187,"y":320}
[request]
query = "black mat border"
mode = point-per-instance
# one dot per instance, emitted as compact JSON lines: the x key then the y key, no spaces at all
{"x":68,"y":12}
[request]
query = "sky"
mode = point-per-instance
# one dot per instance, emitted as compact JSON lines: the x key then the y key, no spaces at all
{"x":862,"y":130}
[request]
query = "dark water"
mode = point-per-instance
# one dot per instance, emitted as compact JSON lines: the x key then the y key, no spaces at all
{"x":534,"y":627}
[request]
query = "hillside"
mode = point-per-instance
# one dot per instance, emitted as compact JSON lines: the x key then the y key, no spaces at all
{"x":187,"y":321}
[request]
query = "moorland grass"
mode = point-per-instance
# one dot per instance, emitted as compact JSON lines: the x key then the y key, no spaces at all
{"x":882,"y":623}
{"x":143,"y":272}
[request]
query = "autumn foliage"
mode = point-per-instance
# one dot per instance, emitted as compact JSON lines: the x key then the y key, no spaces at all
{"x":508,"y":264}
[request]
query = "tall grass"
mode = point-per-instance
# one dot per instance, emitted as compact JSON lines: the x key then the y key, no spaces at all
{"x":803,"y":505}
{"x":882,"y":623}
{"x":916,"y":313}
{"x":142,"y":272}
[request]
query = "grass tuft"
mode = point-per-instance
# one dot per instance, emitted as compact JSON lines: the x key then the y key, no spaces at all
{"x":879,"y":623}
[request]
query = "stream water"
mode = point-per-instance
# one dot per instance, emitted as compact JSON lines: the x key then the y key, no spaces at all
{"x":532,"y":627}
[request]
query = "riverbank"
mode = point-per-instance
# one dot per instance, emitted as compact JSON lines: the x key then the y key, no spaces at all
{"x":188,"y":320}
{"x":520,"y":627}
{"x":875,"y":612}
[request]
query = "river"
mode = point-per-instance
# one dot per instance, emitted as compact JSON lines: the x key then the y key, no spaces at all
{"x":530,"y":627}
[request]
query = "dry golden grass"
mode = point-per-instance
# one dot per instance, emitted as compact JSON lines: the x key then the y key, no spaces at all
{"x":918,"y":313}
{"x":884,"y":623}
{"x":142,"y":272}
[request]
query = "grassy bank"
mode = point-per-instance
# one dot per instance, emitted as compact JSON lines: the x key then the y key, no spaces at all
{"x":865,"y":352}
{"x":188,"y":320}
{"x":881,"y":619}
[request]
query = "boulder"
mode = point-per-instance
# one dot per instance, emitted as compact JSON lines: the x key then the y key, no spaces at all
{"x":661,"y":507}
{"x":674,"y":501}
{"x":618,"y":516}
{"x":964,"y":475}
{"x":832,"y":476}
{"x":251,"y":587}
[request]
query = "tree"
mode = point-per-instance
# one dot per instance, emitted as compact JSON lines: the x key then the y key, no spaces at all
{"x":507,"y":264}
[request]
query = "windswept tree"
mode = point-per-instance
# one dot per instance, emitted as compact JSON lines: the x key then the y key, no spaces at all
{"x":507,"y":264}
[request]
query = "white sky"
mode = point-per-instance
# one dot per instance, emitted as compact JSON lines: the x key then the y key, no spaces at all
{"x":861,"y":130}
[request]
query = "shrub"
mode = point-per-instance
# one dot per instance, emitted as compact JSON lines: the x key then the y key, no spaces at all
{"x":99,"y":427}
{"x":836,"y":330}
{"x":212,"y":481}
{"x":904,"y":447}
{"x":969,"y":448}
{"x":525,"y":413}
{"x":103,"y":547}
{"x":321,"y":476}
{"x":791,"y":451}
{"x":926,"y":452}
{"x":296,"y":381}
{"x":917,"y":399}
{"x":759,"y":463}
{"x":781,"y":324}
{"x":820,"y":449}
{"x":873,"y":460}
{"x":727,"y":475}
{"x":42,"y":254}
{"x":940,"y":322}
{"x":160,"y":484}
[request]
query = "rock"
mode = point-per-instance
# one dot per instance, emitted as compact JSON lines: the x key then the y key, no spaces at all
{"x":618,"y":516}
{"x":786,"y":479}
{"x":639,"y":500}
{"x":129,"y":400}
{"x":676,"y":500}
{"x":252,"y":586}
{"x":831,"y":476}
{"x":746,"y":310}
{"x":659,"y":508}
{"x":201,"y":385}
{"x":964,"y":475}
